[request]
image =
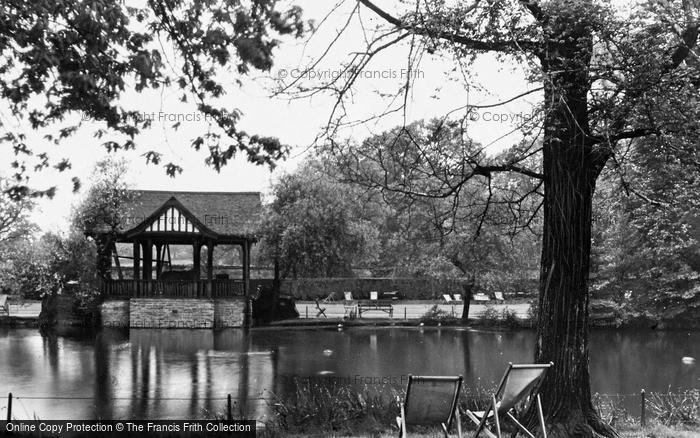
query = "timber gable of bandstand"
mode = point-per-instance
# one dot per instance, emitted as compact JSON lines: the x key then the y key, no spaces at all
{"x":151,"y":221}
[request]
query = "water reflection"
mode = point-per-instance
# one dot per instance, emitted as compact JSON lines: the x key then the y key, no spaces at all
{"x":189,"y":373}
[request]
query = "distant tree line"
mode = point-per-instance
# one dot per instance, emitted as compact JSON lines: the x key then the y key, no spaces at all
{"x":331,"y":215}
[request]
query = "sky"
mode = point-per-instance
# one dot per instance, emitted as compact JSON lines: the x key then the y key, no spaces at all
{"x":436,"y":90}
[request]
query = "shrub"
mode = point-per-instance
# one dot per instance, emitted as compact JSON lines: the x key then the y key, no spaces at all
{"x":510,"y":318}
{"x":318,"y":408}
{"x":676,"y":408}
{"x":490,"y":314}
{"x":436,"y":315}
{"x":322,"y":407}
{"x":612,"y":410}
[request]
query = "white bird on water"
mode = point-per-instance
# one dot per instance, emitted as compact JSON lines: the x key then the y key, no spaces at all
{"x":687,"y":360}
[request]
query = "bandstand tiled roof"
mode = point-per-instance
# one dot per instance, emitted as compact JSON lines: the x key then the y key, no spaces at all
{"x":225,"y":213}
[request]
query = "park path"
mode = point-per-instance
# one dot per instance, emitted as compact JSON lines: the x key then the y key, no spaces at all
{"x":307,"y":309}
{"x":337,"y":310}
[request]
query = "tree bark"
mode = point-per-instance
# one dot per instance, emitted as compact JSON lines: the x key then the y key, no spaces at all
{"x":276,"y":292}
{"x":468,"y":293}
{"x":568,"y":166}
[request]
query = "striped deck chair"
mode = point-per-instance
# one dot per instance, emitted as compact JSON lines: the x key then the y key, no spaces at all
{"x":518,"y":389}
{"x":431,"y":401}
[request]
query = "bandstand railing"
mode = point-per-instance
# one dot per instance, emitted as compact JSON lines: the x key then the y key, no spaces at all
{"x":216,"y":288}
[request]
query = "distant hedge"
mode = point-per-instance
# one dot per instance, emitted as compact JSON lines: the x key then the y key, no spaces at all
{"x":411,"y":288}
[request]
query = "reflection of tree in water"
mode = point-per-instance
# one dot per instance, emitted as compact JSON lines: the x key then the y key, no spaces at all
{"x":50,"y":343}
{"x":103,"y":383}
{"x":642,"y":358}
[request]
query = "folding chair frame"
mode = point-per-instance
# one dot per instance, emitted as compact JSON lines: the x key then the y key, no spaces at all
{"x":493,"y":407}
{"x":321,"y":310}
{"x":454,"y":410}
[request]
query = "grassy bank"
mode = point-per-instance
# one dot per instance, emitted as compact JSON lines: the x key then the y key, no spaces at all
{"x":335,"y":409}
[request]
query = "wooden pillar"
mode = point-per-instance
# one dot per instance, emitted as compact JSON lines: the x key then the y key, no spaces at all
{"x":159,"y":259}
{"x":196,"y":258}
{"x":147,"y":259}
{"x":210,"y":266}
{"x":137,"y":265}
{"x":147,"y":266}
{"x":120,"y":275}
{"x":247,"y":317}
{"x":246,"y":268}
{"x":196,"y":264}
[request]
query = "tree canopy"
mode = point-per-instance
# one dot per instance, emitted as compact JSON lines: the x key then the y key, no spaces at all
{"x":608,"y":78}
{"x":65,"y":57}
{"x":317,"y":227}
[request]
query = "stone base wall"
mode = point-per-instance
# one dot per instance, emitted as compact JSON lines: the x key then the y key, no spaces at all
{"x":115,"y":313}
{"x":171,"y":313}
{"x":229,"y":312}
{"x":174,"y":313}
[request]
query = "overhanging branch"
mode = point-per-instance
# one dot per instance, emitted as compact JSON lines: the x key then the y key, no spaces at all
{"x":474,"y":44}
{"x":487,"y":170}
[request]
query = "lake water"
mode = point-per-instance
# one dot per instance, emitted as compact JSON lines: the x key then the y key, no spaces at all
{"x":189,"y":373}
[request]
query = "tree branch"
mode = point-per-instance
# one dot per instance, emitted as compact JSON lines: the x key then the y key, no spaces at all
{"x":485,"y":46}
{"x":486,"y":170}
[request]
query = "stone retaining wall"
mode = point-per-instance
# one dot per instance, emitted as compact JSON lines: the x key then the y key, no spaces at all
{"x":229,"y":312}
{"x":174,"y":313}
{"x":171,"y":313}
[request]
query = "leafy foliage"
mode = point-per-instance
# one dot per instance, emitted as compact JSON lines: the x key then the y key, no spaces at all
{"x":14,"y":216}
{"x":69,"y":56}
{"x":473,"y":232}
{"x":37,"y":268}
{"x":647,"y":227}
{"x":315,"y":227}
{"x":102,"y":209}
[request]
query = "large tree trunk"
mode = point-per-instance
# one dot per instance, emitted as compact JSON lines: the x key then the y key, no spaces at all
{"x":276,"y":291}
{"x":468,"y":289}
{"x":568,"y":166}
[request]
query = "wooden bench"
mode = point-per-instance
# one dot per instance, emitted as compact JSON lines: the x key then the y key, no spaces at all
{"x":4,"y":306}
{"x":375,"y":305}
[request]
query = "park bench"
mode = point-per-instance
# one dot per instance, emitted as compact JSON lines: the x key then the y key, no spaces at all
{"x":375,"y":304}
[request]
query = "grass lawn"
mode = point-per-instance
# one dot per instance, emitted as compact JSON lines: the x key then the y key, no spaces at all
{"x":653,"y":431}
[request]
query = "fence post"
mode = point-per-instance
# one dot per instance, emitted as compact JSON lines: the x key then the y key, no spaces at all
{"x":307,"y":312}
{"x":230,"y":416}
{"x":644,"y":407}
{"x":9,"y":407}
{"x":404,"y":311}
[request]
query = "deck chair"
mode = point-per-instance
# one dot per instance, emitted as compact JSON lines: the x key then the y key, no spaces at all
{"x":458,"y":297}
{"x":431,"y":401}
{"x":349,"y":305}
{"x":447,"y":298}
{"x":519,"y":388}
{"x":321,"y":310}
{"x":4,"y":307}
{"x":374,"y":295}
{"x":330,"y":298}
{"x":498,"y":296}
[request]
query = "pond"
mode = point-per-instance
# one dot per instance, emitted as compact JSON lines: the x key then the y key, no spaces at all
{"x":153,"y":374}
